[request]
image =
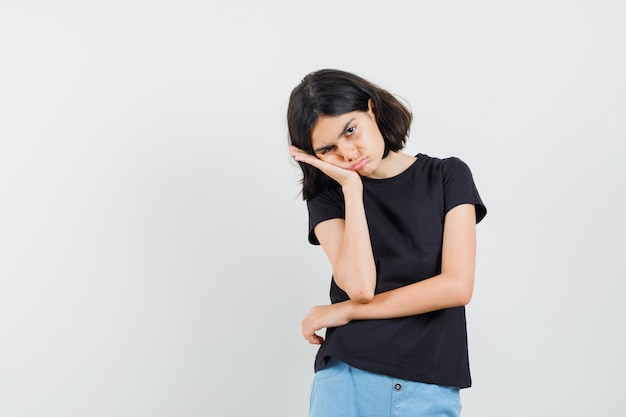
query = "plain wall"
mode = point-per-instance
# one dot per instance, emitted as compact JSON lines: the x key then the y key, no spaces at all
{"x":153,"y":253}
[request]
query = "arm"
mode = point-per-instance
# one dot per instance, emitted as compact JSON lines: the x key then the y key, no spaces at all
{"x":452,"y":288}
{"x":348,"y":248}
{"x":346,"y":242}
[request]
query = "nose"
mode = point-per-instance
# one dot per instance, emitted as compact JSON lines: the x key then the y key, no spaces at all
{"x":347,"y":150}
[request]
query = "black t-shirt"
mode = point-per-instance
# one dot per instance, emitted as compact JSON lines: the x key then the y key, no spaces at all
{"x":405,"y":216}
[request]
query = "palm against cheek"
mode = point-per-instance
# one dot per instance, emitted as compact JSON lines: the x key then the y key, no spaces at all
{"x":339,"y":174}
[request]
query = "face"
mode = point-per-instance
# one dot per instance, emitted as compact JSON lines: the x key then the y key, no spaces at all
{"x":350,"y":140}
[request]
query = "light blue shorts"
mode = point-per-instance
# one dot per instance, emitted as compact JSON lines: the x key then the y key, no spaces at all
{"x":340,"y":390}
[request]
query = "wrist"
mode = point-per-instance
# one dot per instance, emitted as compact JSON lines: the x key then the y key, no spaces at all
{"x":351,"y":310}
{"x":355,"y":185}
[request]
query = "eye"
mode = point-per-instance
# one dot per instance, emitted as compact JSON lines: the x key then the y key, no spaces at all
{"x":350,"y":130}
{"x":325,"y":150}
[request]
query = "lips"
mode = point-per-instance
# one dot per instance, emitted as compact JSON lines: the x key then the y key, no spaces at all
{"x":359,"y":164}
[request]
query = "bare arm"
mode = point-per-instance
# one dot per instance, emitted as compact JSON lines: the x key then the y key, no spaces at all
{"x":452,"y":288}
{"x":348,"y":248}
{"x":346,"y":242}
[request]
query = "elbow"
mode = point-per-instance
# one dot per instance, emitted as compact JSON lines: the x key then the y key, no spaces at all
{"x":361,"y":296}
{"x":463,"y":293}
{"x":460,"y":289}
{"x":464,"y":296}
{"x":360,"y":290}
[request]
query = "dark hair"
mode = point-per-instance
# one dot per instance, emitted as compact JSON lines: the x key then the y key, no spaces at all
{"x":331,"y":92}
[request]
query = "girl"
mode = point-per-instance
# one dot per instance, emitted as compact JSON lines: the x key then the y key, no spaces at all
{"x":400,"y":234}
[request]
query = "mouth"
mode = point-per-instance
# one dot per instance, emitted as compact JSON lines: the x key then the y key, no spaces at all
{"x":359,"y":164}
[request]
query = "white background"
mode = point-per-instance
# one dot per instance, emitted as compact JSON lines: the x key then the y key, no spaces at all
{"x":153,"y":254}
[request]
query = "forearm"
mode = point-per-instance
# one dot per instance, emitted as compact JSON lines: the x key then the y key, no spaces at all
{"x":452,"y":288}
{"x":436,"y":293}
{"x":354,"y":269}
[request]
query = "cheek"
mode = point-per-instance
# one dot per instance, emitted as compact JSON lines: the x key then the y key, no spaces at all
{"x":331,"y":159}
{"x":380,"y":142}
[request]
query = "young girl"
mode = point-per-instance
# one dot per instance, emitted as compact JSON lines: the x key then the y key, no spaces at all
{"x":400,"y":234}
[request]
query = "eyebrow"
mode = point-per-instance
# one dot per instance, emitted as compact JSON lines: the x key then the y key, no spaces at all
{"x":316,"y":150}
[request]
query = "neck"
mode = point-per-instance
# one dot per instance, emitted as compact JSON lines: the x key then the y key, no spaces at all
{"x":395,"y":163}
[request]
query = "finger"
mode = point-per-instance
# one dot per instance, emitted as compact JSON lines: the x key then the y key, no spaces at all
{"x":315,"y":339}
{"x":309,"y":334}
{"x":294,"y":148}
{"x":293,"y":151}
{"x":314,"y":161}
{"x":301,"y":156}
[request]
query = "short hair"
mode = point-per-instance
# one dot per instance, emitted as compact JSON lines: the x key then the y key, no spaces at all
{"x":330,"y":92}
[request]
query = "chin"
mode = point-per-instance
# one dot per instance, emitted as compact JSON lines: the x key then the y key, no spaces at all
{"x":365,"y":172}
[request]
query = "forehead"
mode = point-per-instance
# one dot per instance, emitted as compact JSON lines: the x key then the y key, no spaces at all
{"x":329,"y":128}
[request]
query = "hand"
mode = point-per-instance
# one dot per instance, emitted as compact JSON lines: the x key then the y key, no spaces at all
{"x":342,"y":175}
{"x":321,"y":317}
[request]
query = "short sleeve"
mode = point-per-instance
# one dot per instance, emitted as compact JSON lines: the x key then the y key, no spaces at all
{"x":459,"y":187}
{"x":325,"y":205}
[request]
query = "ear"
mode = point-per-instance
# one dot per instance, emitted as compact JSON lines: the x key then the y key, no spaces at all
{"x":370,"y":108}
